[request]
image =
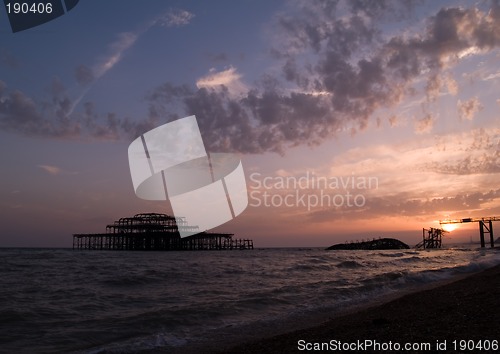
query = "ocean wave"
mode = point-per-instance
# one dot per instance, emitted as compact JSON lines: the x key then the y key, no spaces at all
{"x":385,"y":278}
{"x":309,"y":267}
{"x":167,"y":300}
{"x":350,"y":265}
{"x":413,"y":259}
{"x":138,"y":344}
{"x":125,"y":281}
{"x":391,"y":255}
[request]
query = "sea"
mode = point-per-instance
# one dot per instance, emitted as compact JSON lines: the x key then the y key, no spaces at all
{"x":80,"y":301}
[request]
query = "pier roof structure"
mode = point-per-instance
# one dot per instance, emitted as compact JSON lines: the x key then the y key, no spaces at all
{"x":153,"y":231}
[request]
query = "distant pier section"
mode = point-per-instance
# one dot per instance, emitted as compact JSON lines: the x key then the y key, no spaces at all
{"x":485,"y":227}
{"x":156,"y":232}
{"x":375,"y":244}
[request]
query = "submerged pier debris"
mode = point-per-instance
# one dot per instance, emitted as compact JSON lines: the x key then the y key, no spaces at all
{"x":375,"y":244}
{"x":158,"y":232}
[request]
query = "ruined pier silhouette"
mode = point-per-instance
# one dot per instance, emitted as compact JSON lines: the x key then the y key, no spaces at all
{"x":158,"y":232}
{"x":431,"y":238}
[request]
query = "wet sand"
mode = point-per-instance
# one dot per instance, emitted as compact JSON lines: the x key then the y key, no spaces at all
{"x":466,"y":309}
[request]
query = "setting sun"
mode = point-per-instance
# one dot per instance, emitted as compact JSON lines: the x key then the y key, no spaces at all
{"x":449,"y":227}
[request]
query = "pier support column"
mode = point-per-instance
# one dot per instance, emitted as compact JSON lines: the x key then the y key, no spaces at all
{"x":492,"y":241}
{"x":481,"y":233}
{"x":483,"y":229}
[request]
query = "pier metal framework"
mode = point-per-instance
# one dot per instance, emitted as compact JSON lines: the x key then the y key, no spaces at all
{"x":150,"y":222}
{"x":151,"y":231}
{"x":431,"y":238}
{"x":485,"y":226}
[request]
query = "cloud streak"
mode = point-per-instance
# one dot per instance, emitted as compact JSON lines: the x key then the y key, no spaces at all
{"x":55,"y":117}
{"x":124,"y":41}
{"x":228,"y":79}
{"x":55,"y":171}
{"x":86,"y":76}
{"x":176,"y":18}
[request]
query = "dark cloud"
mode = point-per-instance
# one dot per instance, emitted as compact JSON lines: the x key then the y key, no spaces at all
{"x":487,"y":31}
{"x":342,"y":69}
{"x":131,"y":129}
{"x":448,"y":33}
{"x":337,"y":69}
{"x":53,"y":118}
{"x":317,"y":27}
{"x":292,"y":73}
{"x":258,"y":122}
{"x":19,"y":113}
{"x":385,"y":9}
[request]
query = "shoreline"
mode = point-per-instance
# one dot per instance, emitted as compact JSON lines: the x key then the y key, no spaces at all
{"x":383,"y":318}
{"x":463,"y":308}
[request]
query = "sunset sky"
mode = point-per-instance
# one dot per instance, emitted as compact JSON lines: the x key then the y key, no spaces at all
{"x":406,"y":94}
